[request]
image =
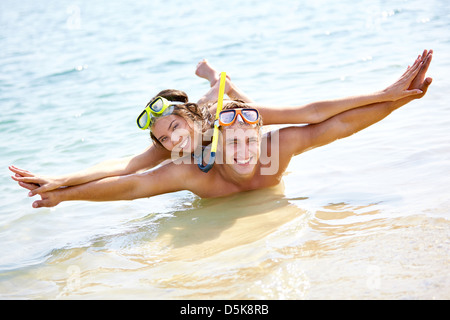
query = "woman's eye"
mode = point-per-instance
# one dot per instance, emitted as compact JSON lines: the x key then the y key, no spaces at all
{"x":162,"y":140}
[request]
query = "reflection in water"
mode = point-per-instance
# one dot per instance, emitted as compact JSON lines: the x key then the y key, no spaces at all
{"x":255,"y":245}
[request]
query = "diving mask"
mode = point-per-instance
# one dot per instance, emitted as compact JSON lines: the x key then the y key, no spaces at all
{"x":156,"y":108}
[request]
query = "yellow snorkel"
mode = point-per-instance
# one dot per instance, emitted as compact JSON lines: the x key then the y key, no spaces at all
{"x":215,"y":139}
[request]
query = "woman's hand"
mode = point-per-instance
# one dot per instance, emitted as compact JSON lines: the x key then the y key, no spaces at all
{"x":404,"y":87}
{"x":41,"y":183}
{"x":48,"y":199}
{"x":420,"y":82}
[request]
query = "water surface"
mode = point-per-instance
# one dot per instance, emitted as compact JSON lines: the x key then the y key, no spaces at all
{"x":365,"y":217}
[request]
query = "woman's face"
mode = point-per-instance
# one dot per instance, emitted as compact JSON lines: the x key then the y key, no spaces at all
{"x":174,"y":133}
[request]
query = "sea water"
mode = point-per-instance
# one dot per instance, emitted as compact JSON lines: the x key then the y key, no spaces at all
{"x":364,"y":217}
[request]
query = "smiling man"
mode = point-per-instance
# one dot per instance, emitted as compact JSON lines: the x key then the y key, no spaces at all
{"x":247,"y":160}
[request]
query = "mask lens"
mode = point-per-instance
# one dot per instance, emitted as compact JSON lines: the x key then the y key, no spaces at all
{"x":142,"y":120}
{"x":157,"y":105}
{"x":227,"y":117}
{"x":250,"y":115}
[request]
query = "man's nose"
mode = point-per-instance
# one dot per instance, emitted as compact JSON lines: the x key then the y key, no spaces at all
{"x":243,"y":149}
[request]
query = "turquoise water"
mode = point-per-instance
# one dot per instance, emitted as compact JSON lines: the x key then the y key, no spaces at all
{"x":365,"y":217}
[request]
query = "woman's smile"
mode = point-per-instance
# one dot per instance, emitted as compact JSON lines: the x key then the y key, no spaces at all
{"x":184,"y":143}
{"x":173,"y":132}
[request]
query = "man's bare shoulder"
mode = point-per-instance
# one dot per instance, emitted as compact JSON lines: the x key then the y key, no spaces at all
{"x":295,"y":139}
{"x":285,"y":141}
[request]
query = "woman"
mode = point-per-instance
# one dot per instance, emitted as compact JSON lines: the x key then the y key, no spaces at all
{"x":182,"y":119}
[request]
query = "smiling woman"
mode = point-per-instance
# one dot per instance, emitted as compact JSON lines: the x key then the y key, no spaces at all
{"x":177,"y":128}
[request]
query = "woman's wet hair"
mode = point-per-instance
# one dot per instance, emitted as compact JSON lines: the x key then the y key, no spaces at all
{"x":173,"y":95}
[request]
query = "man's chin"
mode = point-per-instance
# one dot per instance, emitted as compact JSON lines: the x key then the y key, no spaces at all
{"x":246,"y":169}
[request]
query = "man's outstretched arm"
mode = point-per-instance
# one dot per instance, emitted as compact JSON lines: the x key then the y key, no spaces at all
{"x":352,"y":121}
{"x":168,"y":178}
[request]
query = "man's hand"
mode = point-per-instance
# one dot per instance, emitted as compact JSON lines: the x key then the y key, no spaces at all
{"x":419,"y":82}
{"x":48,"y":199}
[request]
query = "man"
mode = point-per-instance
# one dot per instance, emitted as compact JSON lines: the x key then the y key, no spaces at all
{"x":250,"y":161}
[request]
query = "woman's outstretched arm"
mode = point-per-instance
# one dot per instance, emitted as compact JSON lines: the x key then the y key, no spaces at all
{"x":146,"y":160}
{"x":317,"y":112}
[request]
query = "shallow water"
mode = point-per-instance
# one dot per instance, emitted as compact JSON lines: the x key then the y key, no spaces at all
{"x":365,"y":217}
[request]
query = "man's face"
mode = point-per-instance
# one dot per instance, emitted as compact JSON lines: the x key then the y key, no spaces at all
{"x":241,"y":147}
